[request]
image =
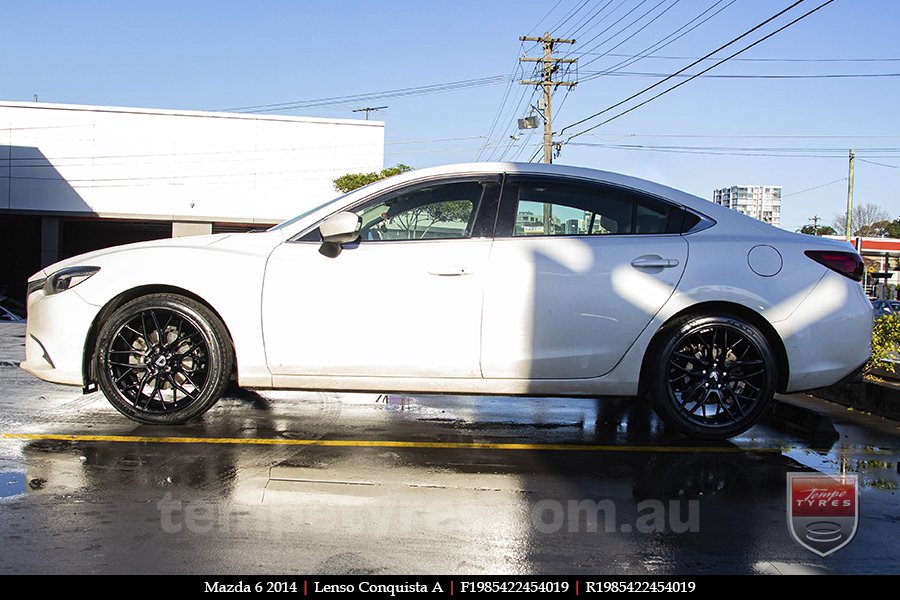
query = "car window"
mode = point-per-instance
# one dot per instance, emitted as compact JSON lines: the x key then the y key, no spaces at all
{"x":557,"y":209}
{"x":438,"y":211}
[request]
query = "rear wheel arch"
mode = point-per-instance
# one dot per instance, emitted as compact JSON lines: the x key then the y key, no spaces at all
{"x":720,"y":309}
{"x":89,"y":360}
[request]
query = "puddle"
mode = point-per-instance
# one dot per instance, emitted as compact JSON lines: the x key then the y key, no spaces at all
{"x":880,"y":471}
{"x":11,"y":484}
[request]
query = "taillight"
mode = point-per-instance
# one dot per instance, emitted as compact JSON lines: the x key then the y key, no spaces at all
{"x":848,"y":264}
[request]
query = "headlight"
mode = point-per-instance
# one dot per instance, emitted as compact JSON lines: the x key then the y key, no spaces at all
{"x":67,"y":278}
{"x":35,"y":285}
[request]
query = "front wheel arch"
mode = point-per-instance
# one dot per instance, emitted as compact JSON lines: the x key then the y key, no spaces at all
{"x":89,"y":358}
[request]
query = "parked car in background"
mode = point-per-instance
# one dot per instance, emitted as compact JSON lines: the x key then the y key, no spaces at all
{"x":881,"y":308}
{"x":11,"y":310}
{"x":486,"y":278}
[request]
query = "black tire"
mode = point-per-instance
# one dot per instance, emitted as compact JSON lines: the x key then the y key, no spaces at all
{"x":163,"y":359}
{"x":711,"y":377}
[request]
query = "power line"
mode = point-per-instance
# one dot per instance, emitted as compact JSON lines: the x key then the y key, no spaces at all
{"x":746,"y":136}
{"x":724,"y":151}
{"x":670,"y":38}
{"x":872,"y":162}
{"x":682,"y":70}
{"x":570,"y":14}
{"x":588,"y":18}
{"x":815,"y":187}
{"x":396,"y":93}
{"x":787,"y":60}
{"x":635,"y":33}
{"x":737,"y":76}
{"x":676,"y":86}
{"x":619,"y":20}
{"x":833,"y":150}
{"x":524,"y":100}
{"x":544,"y":18}
{"x":509,"y":86}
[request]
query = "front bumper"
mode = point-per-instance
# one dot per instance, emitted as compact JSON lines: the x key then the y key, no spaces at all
{"x":55,"y":336}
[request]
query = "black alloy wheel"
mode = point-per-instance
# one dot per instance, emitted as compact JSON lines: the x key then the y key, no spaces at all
{"x":714,"y":376}
{"x":163,"y":359}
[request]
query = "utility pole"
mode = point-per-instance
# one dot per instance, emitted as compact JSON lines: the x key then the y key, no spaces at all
{"x":549,"y":67}
{"x":369,"y":109}
{"x":850,"y":196}
{"x":815,"y":222}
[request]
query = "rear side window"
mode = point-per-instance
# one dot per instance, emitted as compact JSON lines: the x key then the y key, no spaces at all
{"x":549,"y":207}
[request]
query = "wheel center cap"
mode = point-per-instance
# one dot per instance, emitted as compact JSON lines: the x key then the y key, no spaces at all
{"x":714,"y":376}
{"x":160,"y":361}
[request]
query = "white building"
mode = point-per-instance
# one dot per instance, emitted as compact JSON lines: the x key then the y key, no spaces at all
{"x":75,"y":178}
{"x":761,"y":202}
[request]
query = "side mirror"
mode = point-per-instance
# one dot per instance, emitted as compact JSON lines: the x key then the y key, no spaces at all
{"x":338,"y":229}
{"x":341,"y":228}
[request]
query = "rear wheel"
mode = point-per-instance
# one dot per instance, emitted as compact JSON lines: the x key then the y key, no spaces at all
{"x":712,"y":377}
{"x":163,"y":359}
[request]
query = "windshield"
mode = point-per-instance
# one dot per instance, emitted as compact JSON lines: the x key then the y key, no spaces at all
{"x":301,"y":216}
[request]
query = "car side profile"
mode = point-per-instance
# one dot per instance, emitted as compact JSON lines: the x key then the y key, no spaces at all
{"x":484,"y":278}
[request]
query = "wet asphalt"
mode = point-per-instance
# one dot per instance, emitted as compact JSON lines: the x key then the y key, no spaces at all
{"x":322,"y":483}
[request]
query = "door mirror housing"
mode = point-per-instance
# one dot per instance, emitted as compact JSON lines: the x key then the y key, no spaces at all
{"x":338,"y":229}
{"x":341,"y":228}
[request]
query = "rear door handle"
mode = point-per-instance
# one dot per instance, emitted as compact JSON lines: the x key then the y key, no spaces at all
{"x":654,"y":262}
{"x":448,"y":270}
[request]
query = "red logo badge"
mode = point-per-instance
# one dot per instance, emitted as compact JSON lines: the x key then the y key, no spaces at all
{"x":822,"y":511}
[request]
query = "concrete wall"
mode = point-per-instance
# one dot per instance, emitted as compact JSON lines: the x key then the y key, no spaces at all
{"x":175,"y":165}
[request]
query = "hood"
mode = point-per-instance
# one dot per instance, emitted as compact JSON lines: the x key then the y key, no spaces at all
{"x":198,"y":241}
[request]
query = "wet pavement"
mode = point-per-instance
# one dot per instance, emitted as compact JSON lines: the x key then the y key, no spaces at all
{"x":324,"y":483}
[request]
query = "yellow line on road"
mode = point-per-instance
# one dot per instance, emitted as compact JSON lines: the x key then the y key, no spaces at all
{"x":64,"y":437}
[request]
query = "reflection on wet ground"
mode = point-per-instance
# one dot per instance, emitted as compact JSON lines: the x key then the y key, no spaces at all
{"x":418,"y":485}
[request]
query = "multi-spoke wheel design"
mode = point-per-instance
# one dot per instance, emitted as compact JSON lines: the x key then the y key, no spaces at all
{"x":163,"y":359}
{"x":714,"y":376}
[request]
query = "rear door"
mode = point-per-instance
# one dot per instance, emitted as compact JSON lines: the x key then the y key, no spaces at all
{"x":576,"y":272}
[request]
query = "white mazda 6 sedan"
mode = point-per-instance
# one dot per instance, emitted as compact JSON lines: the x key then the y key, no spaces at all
{"x":488,"y":279}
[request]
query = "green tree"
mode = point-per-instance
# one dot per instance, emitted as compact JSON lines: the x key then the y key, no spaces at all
{"x":820,"y":230}
{"x":885,"y":343}
{"x":885,"y":228}
{"x":351,"y":181}
{"x":893,"y":229}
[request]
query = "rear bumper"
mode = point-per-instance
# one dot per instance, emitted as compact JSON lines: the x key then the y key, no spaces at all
{"x":829,"y":335}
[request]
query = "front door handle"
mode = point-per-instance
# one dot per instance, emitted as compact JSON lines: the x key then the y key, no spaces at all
{"x":448,"y":270}
{"x":654,"y":262}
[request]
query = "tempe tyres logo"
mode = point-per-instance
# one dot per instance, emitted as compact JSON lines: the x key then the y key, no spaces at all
{"x":823,"y":511}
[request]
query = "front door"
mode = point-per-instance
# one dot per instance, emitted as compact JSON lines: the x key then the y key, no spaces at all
{"x":404,"y":301}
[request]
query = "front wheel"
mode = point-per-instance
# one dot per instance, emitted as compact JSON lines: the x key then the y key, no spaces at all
{"x":712,"y":377}
{"x":163,"y":359}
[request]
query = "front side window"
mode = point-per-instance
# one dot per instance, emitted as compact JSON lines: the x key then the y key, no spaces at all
{"x":439,"y":211}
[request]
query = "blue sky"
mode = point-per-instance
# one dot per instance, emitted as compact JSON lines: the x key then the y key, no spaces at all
{"x":214,"y":55}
